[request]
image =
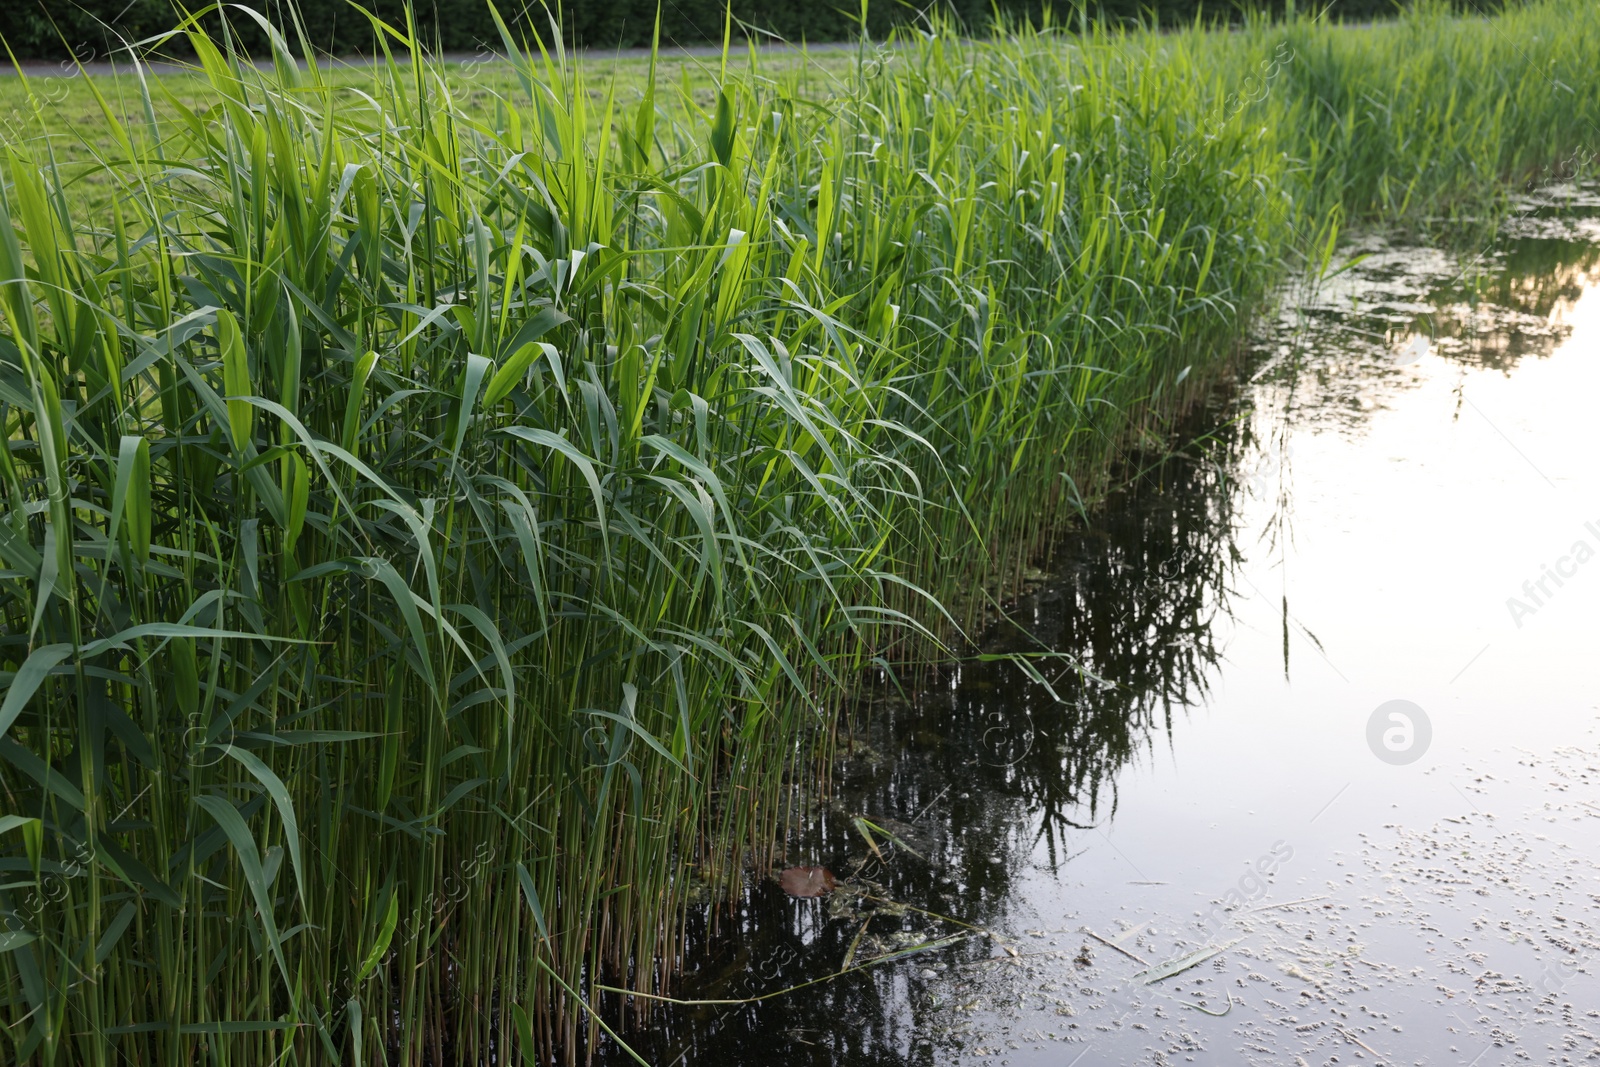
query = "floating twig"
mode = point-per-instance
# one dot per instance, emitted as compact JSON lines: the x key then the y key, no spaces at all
{"x":1348,"y":1036}
{"x":1287,"y":904}
{"x":1114,"y":945}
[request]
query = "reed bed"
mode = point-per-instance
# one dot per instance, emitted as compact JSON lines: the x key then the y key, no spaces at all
{"x":433,"y":535}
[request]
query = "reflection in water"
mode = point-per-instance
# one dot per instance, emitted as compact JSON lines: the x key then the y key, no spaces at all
{"x":951,"y":807}
{"x":980,"y":771}
{"x":1365,"y":326}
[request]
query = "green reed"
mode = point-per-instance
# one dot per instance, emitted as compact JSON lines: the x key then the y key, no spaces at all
{"x":434,"y":535}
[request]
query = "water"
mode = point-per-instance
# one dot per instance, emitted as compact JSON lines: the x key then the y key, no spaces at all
{"x":1399,"y":502}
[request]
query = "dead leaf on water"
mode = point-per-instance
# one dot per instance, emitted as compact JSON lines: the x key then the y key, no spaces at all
{"x":807,"y":881}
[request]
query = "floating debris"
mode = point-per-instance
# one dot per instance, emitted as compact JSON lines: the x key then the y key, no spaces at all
{"x":1183,"y":963}
{"x":807,"y":881}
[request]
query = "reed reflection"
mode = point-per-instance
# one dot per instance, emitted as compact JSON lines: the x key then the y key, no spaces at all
{"x":979,"y":774}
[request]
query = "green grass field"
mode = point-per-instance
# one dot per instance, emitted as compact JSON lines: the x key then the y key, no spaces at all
{"x":442,"y":507}
{"x":56,"y":114}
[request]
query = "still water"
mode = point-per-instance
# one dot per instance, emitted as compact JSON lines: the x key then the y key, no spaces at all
{"x":1320,"y":690}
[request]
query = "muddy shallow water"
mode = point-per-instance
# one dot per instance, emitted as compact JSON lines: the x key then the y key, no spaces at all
{"x":1400,"y":503}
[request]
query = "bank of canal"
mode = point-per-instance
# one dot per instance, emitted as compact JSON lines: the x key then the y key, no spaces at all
{"x":1319,"y":688}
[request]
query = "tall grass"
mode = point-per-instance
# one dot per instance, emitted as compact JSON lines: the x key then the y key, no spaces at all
{"x":433,"y":535}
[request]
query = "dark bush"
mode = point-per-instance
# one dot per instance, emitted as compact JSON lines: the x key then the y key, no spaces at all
{"x":38,"y":29}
